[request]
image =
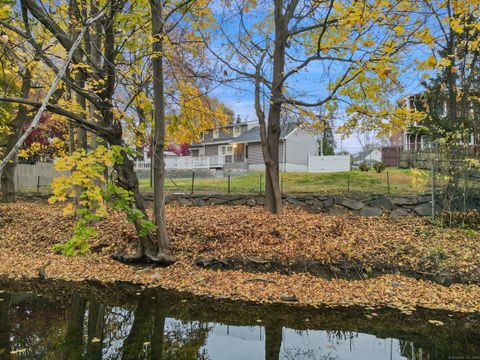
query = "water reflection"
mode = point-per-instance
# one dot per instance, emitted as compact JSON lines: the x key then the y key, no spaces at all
{"x":33,"y":327}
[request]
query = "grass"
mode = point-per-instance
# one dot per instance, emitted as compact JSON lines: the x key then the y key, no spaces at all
{"x":354,"y":182}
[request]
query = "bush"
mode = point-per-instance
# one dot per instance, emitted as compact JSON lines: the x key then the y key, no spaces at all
{"x":379,"y":167}
{"x":364,"y":166}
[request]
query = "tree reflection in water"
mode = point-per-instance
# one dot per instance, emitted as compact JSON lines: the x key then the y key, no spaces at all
{"x":153,"y":326}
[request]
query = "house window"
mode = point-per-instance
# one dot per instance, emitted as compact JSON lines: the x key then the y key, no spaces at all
{"x":202,"y":137}
{"x":225,"y":150}
{"x":216,"y":133}
{"x":237,"y":130}
{"x":425,"y":142}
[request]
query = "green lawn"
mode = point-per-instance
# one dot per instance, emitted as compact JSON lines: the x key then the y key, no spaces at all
{"x":354,"y":182}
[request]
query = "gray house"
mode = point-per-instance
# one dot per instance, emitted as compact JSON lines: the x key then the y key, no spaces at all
{"x":369,"y":156}
{"x":237,"y":146}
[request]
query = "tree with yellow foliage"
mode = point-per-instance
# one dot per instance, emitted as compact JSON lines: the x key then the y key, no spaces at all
{"x":354,"y":48}
{"x":97,"y":84}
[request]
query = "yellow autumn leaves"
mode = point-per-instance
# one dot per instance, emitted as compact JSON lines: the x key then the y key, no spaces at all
{"x":5,"y":11}
{"x":196,"y":115}
{"x":86,"y":175}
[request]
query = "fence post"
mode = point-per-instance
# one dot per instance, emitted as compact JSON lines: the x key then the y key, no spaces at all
{"x":38,"y":183}
{"x":193,"y":182}
{"x":228,"y":184}
{"x":388,"y":184}
{"x":433,"y":190}
{"x":281,"y":183}
{"x":151,"y":171}
{"x":260,"y":185}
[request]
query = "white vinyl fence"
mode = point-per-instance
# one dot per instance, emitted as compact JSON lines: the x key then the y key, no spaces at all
{"x":334,"y":163}
{"x":32,"y":177}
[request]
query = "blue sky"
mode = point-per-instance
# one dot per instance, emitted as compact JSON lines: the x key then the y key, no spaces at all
{"x":312,"y":82}
{"x":242,"y":102}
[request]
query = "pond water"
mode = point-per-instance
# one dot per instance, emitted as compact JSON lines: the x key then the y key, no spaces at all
{"x":69,"y":323}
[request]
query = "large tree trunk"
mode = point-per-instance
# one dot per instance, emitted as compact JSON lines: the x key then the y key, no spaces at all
{"x":8,"y":174}
{"x":151,"y":247}
{"x":273,"y":341}
{"x":147,"y":246}
{"x":141,"y":330}
{"x":162,"y":242}
{"x":273,"y":196}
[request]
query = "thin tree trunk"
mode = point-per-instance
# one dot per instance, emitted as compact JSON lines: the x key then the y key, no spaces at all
{"x":4,"y":327}
{"x":8,"y":174}
{"x":160,"y":313}
{"x":73,"y":343}
{"x":81,"y":132}
{"x":142,"y":119}
{"x":159,"y":137}
{"x":82,"y":104}
{"x":75,"y":17}
{"x":96,"y":324}
{"x":94,"y":41}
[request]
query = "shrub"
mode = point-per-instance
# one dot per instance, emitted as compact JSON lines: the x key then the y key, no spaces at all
{"x":437,"y":256}
{"x":379,"y":167}
{"x":469,"y":220}
{"x":364,"y":166}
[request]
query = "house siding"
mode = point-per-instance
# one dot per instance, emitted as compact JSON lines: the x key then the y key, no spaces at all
{"x":211,"y":150}
{"x":299,"y":145}
{"x":255,"y":155}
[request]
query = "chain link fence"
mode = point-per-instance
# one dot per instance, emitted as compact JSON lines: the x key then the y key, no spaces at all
{"x":390,"y":181}
{"x":452,"y":181}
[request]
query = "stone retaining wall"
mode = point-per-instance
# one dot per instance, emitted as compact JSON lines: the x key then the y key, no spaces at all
{"x":374,"y":205}
{"x":394,"y":206}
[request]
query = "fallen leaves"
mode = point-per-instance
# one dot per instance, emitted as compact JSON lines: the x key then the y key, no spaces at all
{"x":436,"y":322}
{"x":19,"y":351}
{"x":28,"y":232}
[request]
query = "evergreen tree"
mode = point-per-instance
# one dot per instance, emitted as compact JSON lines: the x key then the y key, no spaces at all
{"x":327,"y":143}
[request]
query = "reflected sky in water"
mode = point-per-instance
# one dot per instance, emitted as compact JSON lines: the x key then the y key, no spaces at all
{"x":233,"y":342}
{"x":34,"y":327}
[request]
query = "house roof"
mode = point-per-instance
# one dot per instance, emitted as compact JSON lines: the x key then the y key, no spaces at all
{"x":169,"y":153}
{"x":233,"y":124}
{"x":214,"y":142}
{"x":253,"y":135}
